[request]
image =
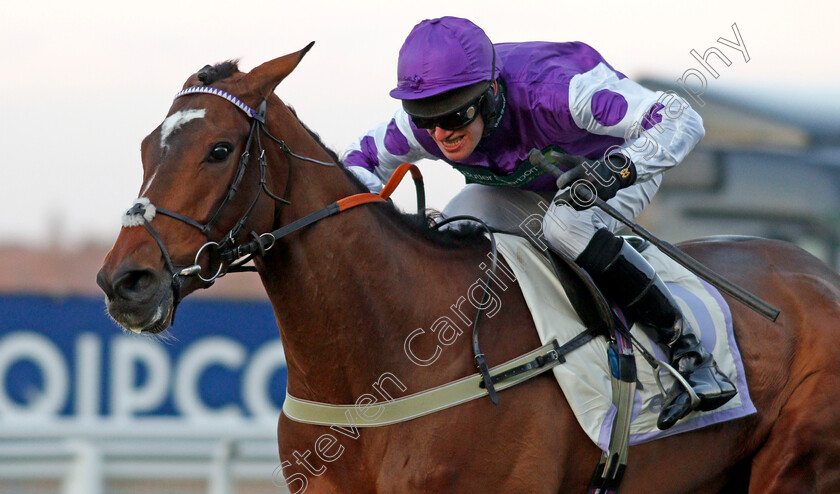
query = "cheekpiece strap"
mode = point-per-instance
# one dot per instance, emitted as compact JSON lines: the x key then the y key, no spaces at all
{"x":222,"y":94}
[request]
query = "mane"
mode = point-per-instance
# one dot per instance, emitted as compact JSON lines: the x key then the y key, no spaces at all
{"x":314,"y":135}
{"x":460,"y":234}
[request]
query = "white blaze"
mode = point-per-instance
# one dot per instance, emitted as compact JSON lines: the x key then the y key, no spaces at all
{"x":170,"y":125}
{"x":176,"y":120}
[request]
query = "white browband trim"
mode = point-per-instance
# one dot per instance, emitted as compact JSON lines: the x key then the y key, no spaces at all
{"x":222,"y":94}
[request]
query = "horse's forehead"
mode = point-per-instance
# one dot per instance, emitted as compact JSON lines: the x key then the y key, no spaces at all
{"x":178,"y":119}
{"x":192,"y":111}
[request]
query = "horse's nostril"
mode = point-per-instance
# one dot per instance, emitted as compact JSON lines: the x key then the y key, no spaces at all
{"x":104,"y":284}
{"x":134,"y":284}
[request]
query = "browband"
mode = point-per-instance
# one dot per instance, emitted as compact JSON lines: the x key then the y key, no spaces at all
{"x":223,"y":94}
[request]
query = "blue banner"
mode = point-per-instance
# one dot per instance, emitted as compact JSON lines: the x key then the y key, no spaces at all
{"x":64,"y":357}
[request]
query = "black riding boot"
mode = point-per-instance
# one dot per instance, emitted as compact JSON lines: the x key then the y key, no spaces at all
{"x":627,"y":278}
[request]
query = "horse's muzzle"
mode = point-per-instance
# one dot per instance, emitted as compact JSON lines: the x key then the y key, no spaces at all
{"x":138,"y":299}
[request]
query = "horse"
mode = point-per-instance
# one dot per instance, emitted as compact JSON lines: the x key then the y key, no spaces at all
{"x":347,"y":290}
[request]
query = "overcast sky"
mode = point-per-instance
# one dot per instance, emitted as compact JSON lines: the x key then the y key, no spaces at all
{"x":83,"y":82}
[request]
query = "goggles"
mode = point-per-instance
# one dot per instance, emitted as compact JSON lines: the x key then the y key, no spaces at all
{"x":452,"y":120}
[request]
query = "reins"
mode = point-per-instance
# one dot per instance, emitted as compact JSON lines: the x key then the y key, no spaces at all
{"x":266,"y":241}
{"x":142,"y":211}
{"x":232,"y":258}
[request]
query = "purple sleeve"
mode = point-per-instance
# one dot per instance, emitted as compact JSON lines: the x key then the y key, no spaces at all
{"x":385,"y":147}
{"x":364,"y":157}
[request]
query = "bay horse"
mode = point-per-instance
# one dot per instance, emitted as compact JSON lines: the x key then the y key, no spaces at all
{"x":347,"y":290}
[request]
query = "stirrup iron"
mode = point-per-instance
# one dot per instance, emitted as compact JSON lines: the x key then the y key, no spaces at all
{"x":659,"y":366}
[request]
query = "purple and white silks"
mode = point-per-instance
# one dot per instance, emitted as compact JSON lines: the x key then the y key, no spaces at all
{"x":557,"y":93}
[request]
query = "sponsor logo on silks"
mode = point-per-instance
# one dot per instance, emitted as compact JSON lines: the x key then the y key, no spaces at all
{"x":524,"y":174}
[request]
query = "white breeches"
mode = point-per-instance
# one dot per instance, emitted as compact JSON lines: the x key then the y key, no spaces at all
{"x":535,"y":215}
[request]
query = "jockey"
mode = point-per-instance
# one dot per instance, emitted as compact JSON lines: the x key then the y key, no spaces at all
{"x":482,"y":107}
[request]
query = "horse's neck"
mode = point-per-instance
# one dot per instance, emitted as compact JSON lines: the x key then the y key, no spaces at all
{"x":349,"y":289}
{"x":347,"y":293}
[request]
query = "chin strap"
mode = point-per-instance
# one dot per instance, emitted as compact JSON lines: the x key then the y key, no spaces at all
{"x":496,"y":112}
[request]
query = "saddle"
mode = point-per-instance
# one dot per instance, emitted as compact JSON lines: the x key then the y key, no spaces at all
{"x":611,"y":381}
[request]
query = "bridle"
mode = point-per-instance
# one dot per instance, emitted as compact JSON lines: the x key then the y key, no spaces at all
{"x":142,"y":211}
{"x":233,"y":257}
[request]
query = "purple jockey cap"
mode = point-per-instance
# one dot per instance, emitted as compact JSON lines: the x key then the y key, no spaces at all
{"x":445,"y":55}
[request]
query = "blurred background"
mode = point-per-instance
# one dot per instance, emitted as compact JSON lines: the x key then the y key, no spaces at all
{"x":85,"y":408}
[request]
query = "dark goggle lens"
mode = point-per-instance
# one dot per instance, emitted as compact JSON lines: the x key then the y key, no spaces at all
{"x":450,"y":121}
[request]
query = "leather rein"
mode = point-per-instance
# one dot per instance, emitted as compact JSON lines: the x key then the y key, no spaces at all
{"x":233,"y":257}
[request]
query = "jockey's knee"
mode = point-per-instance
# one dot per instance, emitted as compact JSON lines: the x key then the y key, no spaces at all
{"x":570,"y":237}
{"x":503,"y":209}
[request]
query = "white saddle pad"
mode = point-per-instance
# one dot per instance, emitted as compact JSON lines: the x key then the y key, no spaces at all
{"x":584,"y":378}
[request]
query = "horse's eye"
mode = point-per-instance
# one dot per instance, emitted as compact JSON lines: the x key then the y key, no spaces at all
{"x":219,"y":153}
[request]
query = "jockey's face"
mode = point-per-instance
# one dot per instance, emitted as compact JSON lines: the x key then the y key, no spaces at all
{"x":459,"y":143}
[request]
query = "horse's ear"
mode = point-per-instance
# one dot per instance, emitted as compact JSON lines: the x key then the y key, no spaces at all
{"x":264,"y":78}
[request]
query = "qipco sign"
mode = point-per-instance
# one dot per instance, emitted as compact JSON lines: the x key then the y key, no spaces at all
{"x":65,"y":358}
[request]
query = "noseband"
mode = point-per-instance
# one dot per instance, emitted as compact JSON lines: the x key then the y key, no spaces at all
{"x":142,"y":211}
{"x":234,"y":257}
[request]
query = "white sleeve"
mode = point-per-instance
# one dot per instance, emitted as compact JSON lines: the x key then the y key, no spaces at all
{"x":384,"y":148}
{"x":603,"y":104}
{"x":667,"y":143}
{"x":368,"y":179}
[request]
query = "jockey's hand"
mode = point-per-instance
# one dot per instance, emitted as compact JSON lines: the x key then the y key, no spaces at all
{"x":601,"y":178}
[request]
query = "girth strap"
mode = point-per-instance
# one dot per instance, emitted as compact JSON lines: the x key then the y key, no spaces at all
{"x":558,"y":356}
{"x":428,"y":401}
